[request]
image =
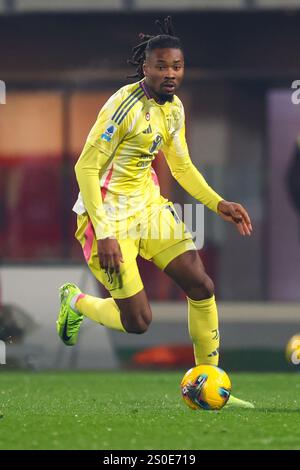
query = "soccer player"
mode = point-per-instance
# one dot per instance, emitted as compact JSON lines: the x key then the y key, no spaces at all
{"x":121,"y":213}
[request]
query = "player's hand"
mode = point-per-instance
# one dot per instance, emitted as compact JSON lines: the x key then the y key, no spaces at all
{"x":110,"y":255}
{"x":235,"y":213}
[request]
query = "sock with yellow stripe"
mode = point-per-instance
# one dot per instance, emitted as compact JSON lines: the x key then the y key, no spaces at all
{"x":203,"y":329}
{"x":103,"y":311}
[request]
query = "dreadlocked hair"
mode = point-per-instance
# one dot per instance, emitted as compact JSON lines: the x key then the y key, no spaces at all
{"x":148,"y":43}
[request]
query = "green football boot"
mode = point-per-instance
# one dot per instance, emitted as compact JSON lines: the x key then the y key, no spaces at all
{"x":69,"y":321}
{"x":234,"y":402}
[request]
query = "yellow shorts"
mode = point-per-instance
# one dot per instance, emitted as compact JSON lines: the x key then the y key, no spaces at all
{"x":163,"y":238}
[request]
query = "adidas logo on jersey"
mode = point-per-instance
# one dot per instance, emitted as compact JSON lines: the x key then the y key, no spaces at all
{"x":148,"y":130}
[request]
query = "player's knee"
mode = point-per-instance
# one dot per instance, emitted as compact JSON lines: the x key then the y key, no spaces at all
{"x":137,"y":326}
{"x":140,"y":328}
{"x":138,"y":323}
{"x":209,"y":287}
{"x":201,"y":289}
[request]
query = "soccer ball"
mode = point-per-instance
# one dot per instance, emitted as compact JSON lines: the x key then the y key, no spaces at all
{"x":292,"y":351}
{"x":205,"y":387}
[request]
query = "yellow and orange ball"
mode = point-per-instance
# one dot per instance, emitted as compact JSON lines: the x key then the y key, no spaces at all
{"x":205,"y":387}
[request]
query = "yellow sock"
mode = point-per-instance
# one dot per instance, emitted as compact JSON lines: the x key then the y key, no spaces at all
{"x":103,"y":311}
{"x":203,"y":329}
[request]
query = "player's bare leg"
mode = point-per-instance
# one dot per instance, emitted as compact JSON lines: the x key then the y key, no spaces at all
{"x":188,"y":271}
{"x":136,"y":313}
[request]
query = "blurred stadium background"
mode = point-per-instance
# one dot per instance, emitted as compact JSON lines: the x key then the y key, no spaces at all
{"x":60,"y":61}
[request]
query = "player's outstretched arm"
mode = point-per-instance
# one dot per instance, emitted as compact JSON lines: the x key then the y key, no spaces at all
{"x":195,"y":184}
{"x":235,"y":213}
{"x":190,"y":178}
{"x":186,"y":174}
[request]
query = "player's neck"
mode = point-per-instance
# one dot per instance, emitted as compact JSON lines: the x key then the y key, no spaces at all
{"x":158,"y":98}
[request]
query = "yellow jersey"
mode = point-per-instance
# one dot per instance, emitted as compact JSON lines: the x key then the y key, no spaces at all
{"x":114,"y":171}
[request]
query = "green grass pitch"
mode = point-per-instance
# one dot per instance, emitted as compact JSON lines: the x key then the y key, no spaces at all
{"x":143,"y":410}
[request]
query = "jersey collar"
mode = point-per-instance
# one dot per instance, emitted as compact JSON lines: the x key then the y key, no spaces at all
{"x":143,"y":86}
